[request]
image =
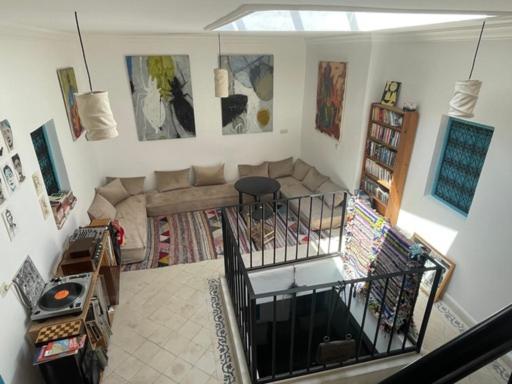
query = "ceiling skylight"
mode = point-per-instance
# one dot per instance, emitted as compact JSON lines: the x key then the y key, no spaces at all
{"x":336,"y":21}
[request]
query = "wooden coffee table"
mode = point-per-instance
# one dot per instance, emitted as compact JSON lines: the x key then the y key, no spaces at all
{"x":257,"y":186}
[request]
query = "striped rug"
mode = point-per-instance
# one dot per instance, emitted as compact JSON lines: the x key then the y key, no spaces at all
{"x":195,"y":236}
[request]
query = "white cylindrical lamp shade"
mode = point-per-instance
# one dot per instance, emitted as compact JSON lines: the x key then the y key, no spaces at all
{"x":465,"y":96}
{"x":221,"y":82}
{"x":96,"y":115}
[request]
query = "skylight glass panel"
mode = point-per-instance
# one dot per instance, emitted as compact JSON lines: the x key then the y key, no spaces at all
{"x":337,"y":21}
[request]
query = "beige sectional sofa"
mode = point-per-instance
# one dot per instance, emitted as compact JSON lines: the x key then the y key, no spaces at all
{"x":124,"y":198}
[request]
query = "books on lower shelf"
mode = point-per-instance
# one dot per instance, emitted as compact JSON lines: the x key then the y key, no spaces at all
{"x":387,"y":117}
{"x":388,"y":136}
{"x":58,"y":349}
{"x":377,"y":171}
{"x":381,"y":153}
{"x":374,"y":190}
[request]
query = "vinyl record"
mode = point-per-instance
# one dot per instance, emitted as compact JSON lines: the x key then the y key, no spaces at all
{"x":60,"y":296}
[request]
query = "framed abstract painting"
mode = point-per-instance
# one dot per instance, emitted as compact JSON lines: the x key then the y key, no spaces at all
{"x":161,"y":89}
{"x":69,"y":88}
{"x":249,"y":106}
{"x":330,"y":97}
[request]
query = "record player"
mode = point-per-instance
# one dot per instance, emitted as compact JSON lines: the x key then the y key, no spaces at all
{"x":62,"y":296}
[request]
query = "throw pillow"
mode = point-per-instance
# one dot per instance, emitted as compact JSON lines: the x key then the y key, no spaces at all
{"x":314,"y":179}
{"x":280,"y":168}
{"x":300,"y":169}
{"x":209,"y":175}
{"x":134,"y":185}
{"x":245,"y":170}
{"x":114,"y":192}
{"x":328,"y":188}
{"x":101,"y":209}
{"x":171,"y":180}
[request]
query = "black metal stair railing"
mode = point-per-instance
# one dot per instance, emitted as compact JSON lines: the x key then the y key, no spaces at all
{"x":281,"y":330}
{"x":465,"y":354}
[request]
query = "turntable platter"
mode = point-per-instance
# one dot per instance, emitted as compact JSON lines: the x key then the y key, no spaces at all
{"x":60,"y":296}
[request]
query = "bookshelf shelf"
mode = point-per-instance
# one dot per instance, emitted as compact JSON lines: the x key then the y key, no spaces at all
{"x":388,"y":150}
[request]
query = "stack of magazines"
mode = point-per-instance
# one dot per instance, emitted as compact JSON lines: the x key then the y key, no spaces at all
{"x":58,"y":349}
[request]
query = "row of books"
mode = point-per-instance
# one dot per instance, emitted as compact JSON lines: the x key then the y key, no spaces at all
{"x":387,"y":117}
{"x":377,"y":171}
{"x":387,"y":135}
{"x":381,"y":153}
{"x":373,"y":189}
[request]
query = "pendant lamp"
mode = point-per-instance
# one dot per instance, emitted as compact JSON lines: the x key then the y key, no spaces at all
{"x":465,"y":94}
{"x":94,"y":107}
{"x":221,"y":79}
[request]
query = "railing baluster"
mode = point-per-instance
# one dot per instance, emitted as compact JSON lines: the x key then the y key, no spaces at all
{"x":254,"y":347}
{"x":250,"y":233}
{"x":361,"y":335}
{"x":342,"y":224}
{"x":320,"y":230}
{"x":411,"y":312}
{"x":347,"y":325}
{"x":381,"y":311}
{"x":397,"y":308}
{"x":309,"y":225}
{"x":332,"y":218}
{"x":286,"y":231}
{"x":274,"y":309}
{"x":275,"y":228}
{"x":292,"y":331}
{"x":297,"y":234}
{"x":428,"y":308}
{"x":262,"y":233}
{"x":311,"y":326}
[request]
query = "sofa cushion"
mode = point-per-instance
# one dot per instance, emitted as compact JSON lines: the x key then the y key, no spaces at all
{"x":209,"y":175}
{"x":191,"y":199}
{"x":132,"y":216}
{"x":114,"y":192}
{"x":288,"y":180}
{"x":134,"y":185}
{"x":314,"y":179}
{"x":280,"y":168}
{"x":170,"y":180}
{"x":300,"y":169}
{"x":294,"y":190}
{"x":321,"y":218}
{"x":246,"y":170}
{"x":328,"y":188}
{"x":101,"y":208}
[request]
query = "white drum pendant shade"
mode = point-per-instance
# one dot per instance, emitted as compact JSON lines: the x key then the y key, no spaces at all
{"x":221,"y":82}
{"x":96,"y":115}
{"x":465,"y":96}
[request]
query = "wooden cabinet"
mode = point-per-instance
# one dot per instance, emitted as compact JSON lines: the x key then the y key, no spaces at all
{"x":388,"y":150}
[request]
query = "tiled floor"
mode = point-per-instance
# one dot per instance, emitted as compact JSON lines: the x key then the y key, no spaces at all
{"x":164,"y":331}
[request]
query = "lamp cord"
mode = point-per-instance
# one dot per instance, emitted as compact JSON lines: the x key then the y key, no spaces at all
{"x":218,"y":35}
{"x":83,"y":51}
{"x":476,"y":51}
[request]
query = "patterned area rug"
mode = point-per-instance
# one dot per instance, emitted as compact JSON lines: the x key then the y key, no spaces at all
{"x":195,"y":236}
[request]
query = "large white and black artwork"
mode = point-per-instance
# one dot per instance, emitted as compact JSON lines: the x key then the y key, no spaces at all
{"x":249,"y":106}
{"x":161,"y":89}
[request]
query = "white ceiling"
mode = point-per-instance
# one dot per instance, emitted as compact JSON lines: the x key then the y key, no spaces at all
{"x":187,"y":16}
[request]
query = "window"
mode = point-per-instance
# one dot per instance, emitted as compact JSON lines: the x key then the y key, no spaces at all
{"x":461,"y":162}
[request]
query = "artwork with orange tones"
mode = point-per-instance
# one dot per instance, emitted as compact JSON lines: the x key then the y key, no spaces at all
{"x":330,"y":97}
{"x":68,"y":88}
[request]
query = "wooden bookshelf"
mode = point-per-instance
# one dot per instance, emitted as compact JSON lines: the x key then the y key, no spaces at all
{"x":387,"y":154}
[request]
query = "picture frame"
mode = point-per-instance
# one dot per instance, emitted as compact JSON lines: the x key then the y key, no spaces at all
{"x":447,"y":264}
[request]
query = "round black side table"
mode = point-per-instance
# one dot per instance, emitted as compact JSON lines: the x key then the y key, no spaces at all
{"x":257,"y":186}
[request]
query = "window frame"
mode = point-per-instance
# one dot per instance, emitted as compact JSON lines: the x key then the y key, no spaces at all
{"x":441,"y":156}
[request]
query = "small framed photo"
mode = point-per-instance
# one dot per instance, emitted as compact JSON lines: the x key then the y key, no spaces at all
{"x":6,"y":130}
{"x":10,"y":223}
{"x":9,"y":175}
{"x":3,"y":192}
{"x":391,"y":92}
{"x":38,"y":183}
{"x":428,"y":277}
{"x":18,"y":167}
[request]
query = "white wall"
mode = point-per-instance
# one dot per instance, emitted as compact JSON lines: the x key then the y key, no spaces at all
{"x":29,"y":97}
{"x":337,"y":160}
{"x":479,"y":243}
{"x":126,"y":156}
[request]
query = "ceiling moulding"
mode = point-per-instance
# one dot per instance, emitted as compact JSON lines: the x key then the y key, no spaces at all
{"x":26,"y":31}
{"x":495,"y":29}
{"x":247,"y":9}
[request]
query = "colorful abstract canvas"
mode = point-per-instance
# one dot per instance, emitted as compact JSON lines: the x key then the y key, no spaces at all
{"x":330,"y":96}
{"x":161,"y":89}
{"x":69,"y":88}
{"x":249,"y":106}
